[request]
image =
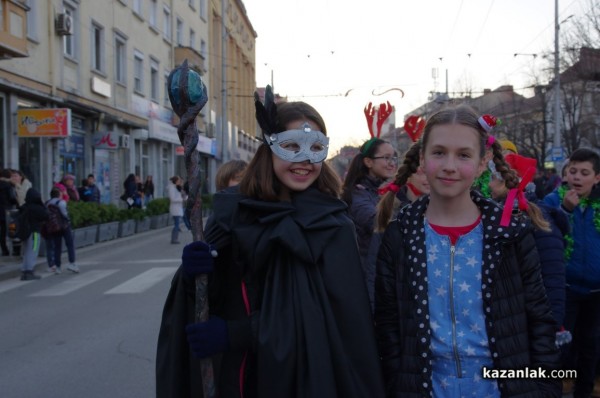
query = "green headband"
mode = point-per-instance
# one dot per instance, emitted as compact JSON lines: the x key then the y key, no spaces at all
{"x":368,"y":145}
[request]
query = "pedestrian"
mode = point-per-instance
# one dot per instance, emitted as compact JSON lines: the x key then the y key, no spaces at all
{"x":34,"y":215}
{"x":580,"y":201}
{"x":54,"y":240}
{"x":131,"y":195}
{"x":88,"y":191}
{"x":69,"y":182}
{"x":553,"y":181}
{"x":407,"y":186}
{"x":176,"y":198}
{"x":458,"y":288}
{"x":230,"y":174}
{"x":549,"y":243}
{"x":85,"y":194}
{"x":8,"y":201}
{"x":289,"y":309}
{"x":22,"y":185}
{"x":373,"y":165}
{"x":64,"y":194}
{"x":148,"y":190}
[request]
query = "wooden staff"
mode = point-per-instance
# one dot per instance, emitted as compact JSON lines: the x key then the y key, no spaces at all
{"x":188,"y":95}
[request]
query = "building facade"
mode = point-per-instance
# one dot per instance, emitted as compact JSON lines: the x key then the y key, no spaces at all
{"x":88,"y":93}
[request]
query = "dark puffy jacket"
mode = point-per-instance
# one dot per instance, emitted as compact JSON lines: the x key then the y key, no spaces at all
{"x":362,"y":211}
{"x":551,"y":249}
{"x":369,"y":265}
{"x":520,"y":327}
{"x":37,"y":213}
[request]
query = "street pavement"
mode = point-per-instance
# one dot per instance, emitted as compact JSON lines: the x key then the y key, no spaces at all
{"x":10,"y":266}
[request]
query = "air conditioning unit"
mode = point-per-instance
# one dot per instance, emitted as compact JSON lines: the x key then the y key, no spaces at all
{"x":64,"y":24}
{"x":124,"y":141}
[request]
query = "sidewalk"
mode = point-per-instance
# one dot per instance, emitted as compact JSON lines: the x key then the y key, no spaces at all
{"x":10,"y":266}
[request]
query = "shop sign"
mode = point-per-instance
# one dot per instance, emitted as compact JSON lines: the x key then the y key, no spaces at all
{"x":162,"y":131}
{"x":105,"y":140}
{"x":206,"y":145}
{"x":49,"y":123}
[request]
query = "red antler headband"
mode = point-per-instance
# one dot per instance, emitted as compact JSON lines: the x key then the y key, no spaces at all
{"x":379,"y":115}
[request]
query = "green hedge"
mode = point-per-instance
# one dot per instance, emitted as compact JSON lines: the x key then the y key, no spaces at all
{"x":84,"y":214}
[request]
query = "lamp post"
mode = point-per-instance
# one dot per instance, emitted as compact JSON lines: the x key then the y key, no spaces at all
{"x":556,"y":143}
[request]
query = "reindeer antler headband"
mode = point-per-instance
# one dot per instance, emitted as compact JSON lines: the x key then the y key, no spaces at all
{"x":375,"y":119}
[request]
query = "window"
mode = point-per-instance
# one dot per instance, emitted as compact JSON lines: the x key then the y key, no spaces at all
{"x":153,"y":13}
{"x":154,"y":84}
{"x":191,"y":4}
{"x":203,"y":9}
{"x":120,"y":59}
{"x":69,"y":40}
{"x":166,"y":101}
{"x":32,"y":17}
{"x":97,"y":47}
{"x":203,"y":49}
{"x":137,"y":6}
{"x":192,"y":38}
{"x":167,"y":23}
{"x":138,"y":72}
{"x":179,"y":32}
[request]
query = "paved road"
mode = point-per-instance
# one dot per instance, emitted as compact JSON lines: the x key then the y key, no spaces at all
{"x":92,"y":334}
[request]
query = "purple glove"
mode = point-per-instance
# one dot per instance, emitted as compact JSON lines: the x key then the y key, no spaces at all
{"x":198,"y":258}
{"x":208,"y":338}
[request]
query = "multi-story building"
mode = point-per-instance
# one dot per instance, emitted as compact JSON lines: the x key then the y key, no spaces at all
{"x":83,"y":88}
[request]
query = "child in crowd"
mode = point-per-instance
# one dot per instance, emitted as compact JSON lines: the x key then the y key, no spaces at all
{"x":289,"y":309}
{"x":458,"y":286}
{"x":580,"y":201}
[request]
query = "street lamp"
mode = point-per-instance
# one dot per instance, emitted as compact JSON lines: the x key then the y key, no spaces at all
{"x":557,"y":150}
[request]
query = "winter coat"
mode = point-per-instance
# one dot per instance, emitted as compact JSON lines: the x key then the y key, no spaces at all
{"x":582,"y":271}
{"x":8,"y":197}
{"x":551,"y":249}
{"x":37,"y":213}
{"x":176,"y":198}
{"x":21,"y":190}
{"x":288,"y":281}
{"x":369,"y":265}
{"x":362,"y":211}
{"x":519,"y":324}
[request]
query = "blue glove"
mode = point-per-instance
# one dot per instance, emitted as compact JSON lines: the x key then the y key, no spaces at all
{"x":208,"y":338}
{"x":197,"y":258}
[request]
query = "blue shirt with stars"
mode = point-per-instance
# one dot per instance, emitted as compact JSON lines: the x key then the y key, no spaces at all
{"x":459,"y":341}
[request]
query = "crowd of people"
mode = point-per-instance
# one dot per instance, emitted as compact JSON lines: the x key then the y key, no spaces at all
{"x":407,"y":279}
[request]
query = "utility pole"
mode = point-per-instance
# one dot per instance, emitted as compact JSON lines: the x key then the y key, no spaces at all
{"x":557,"y":114}
{"x":224,"y":123}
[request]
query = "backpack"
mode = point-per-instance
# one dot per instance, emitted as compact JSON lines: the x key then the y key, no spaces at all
{"x":56,"y":223}
{"x":18,"y":224}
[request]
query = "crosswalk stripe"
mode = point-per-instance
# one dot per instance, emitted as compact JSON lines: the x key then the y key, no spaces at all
{"x":74,"y":283}
{"x":143,"y":281}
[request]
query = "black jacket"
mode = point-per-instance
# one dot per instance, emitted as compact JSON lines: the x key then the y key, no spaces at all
{"x":520,"y":328}
{"x":308,"y":331}
{"x":8,"y":197}
{"x":37,"y":213}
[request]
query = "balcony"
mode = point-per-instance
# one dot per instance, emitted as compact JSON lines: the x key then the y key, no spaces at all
{"x":195,"y":60}
{"x":13,"y":29}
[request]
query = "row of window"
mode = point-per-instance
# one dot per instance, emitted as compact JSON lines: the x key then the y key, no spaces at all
{"x":97,"y":47}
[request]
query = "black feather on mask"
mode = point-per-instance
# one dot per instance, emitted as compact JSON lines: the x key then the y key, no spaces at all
{"x":266,"y":115}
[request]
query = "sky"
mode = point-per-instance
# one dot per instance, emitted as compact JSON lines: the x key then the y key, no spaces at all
{"x":339,"y":55}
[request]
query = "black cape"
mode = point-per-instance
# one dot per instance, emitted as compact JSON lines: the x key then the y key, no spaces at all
{"x":309,"y":332}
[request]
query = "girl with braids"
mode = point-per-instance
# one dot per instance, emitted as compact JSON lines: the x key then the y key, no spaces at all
{"x":372,"y":166}
{"x":458,"y":289}
{"x":409,"y":184}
